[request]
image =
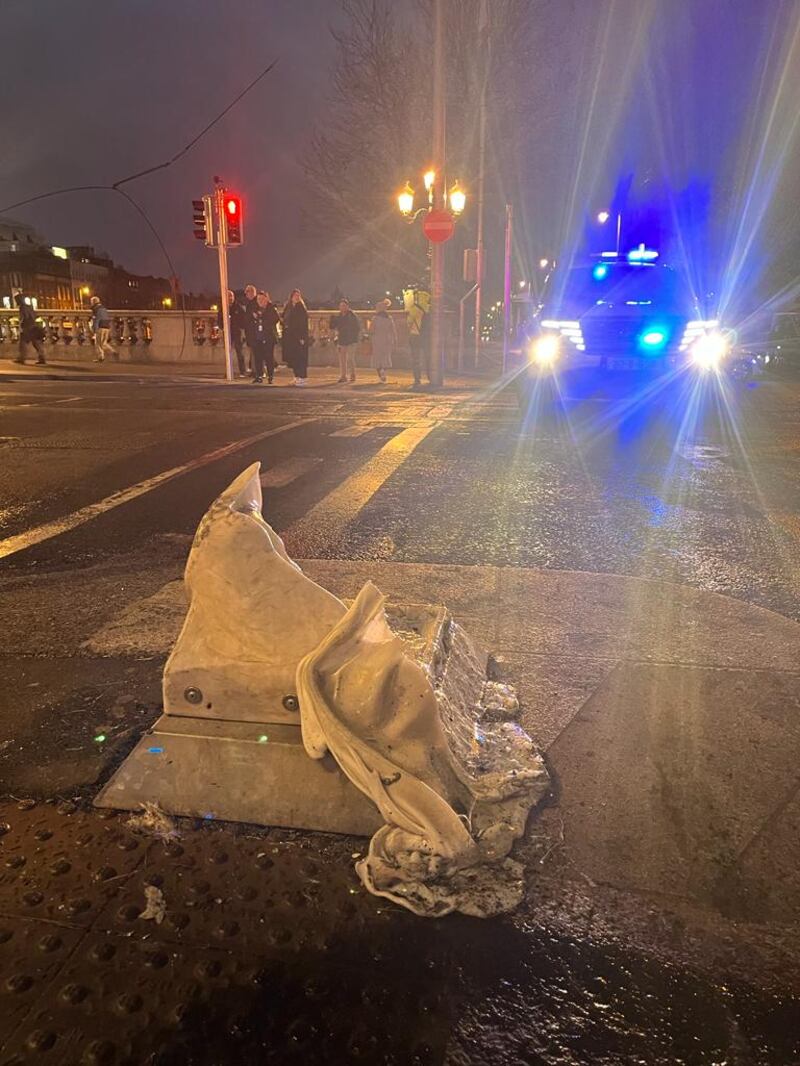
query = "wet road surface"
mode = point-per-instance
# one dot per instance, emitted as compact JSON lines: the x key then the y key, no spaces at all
{"x":697,"y":484}
{"x":694,"y":484}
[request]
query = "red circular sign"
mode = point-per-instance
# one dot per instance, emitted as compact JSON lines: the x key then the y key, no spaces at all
{"x":438,"y":226}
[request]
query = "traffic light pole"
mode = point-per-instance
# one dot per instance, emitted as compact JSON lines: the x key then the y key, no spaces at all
{"x":222,"y":234}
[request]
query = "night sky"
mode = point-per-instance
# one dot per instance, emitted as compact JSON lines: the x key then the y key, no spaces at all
{"x":103,"y":88}
{"x":676,"y":92}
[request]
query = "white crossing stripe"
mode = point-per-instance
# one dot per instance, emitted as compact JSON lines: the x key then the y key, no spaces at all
{"x":358,"y":430}
{"x":21,"y":541}
{"x":287,"y":472}
{"x":334,"y":512}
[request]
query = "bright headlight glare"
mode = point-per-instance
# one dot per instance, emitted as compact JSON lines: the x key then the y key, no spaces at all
{"x":709,"y":350}
{"x":545,"y":349}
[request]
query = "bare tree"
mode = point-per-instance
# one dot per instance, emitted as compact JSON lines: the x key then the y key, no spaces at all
{"x":377,"y":132}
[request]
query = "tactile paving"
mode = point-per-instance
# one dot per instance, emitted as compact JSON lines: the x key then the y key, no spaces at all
{"x":61,"y":863}
{"x":31,"y":952}
{"x":226,"y":890}
{"x":117,"y":1000}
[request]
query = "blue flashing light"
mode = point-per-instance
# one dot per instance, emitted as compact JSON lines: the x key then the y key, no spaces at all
{"x":642,"y":254}
{"x":600,"y":272}
{"x":653,"y":339}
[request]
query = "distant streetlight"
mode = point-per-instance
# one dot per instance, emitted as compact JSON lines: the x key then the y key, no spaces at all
{"x":84,"y":290}
{"x":166,"y":302}
{"x":544,"y":264}
{"x":603,"y":217}
{"x":522,"y":284}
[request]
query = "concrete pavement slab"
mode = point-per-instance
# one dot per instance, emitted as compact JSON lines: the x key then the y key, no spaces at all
{"x":767,"y":888}
{"x":668,"y":772}
{"x":569,"y":626}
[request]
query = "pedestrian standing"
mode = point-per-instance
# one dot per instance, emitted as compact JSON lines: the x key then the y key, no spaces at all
{"x":418,"y":343}
{"x":101,"y":328}
{"x":236,"y":321}
{"x":348,"y":333}
{"x":295,"y":336}
{"x":265,"y":318}
{"x":384,"y":338}
{"x":250,"y":294}
{"x":30,"y":332}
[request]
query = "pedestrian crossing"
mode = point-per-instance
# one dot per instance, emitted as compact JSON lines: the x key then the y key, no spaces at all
{"x":283,"y":474}
{"x":328,"y":517}
{"x":30,"y":537}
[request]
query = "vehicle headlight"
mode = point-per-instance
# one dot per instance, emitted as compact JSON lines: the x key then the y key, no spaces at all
{"x":709,"y":350}
{"x":545,"y":349}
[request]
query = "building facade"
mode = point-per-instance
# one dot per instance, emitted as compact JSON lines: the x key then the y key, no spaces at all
{"x":65,"y":279}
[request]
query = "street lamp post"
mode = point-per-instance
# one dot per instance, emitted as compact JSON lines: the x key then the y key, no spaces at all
{"x":440,"y":212}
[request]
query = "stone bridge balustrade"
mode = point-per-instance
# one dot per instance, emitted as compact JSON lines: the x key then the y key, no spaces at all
{"x":173,"y":336}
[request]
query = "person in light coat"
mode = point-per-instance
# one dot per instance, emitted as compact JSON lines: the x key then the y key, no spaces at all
{"x":384,"y":339}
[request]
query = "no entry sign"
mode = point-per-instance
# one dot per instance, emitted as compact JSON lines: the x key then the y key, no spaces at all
{"x":438,"y":226}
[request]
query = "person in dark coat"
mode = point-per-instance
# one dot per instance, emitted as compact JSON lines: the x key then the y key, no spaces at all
{"x":295,"y":337}
{"x":30,"y":332}
{"x":236,"y":319}
{"x":265,"y":319}
{"x":348,"y":334}
{"x":250,"y":294}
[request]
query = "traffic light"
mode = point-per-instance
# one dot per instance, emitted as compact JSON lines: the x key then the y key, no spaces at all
{"x":203,"y":226}
{"x":234,"y":222}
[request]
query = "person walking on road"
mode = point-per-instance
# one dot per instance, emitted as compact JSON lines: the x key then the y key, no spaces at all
{"x":295,"y":336}
{"x":265,"y":320}
{"x":348,"y":333}
{"x":384,"y":339}
{"x":237,"y":321}
{"x":30,"y":332}
{"x":101,"y":328}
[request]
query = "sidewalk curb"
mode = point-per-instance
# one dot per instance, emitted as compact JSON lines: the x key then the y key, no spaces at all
{"x":175,"y":379}
{"x":89,"y":376}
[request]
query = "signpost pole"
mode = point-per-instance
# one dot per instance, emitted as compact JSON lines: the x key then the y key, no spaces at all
{"x":437,"y":355}
{"x":483,"y":31}
{"x":507,"y":286}
{"x":222,"y":234}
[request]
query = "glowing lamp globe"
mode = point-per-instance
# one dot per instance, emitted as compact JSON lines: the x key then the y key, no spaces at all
{"x":405,"y":200}
{"x":458,"y":199}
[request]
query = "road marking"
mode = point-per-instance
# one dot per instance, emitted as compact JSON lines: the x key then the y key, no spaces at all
{"x":21,"y":541}
{"x":39,"y":406}
{"x":288,"y":471}
{"x":334,"y":512}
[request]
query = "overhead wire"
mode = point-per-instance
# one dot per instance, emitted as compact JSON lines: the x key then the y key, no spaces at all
{"x":115,"y":186}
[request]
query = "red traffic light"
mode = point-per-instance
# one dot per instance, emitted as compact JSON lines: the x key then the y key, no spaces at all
{"x":233,"y":218}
